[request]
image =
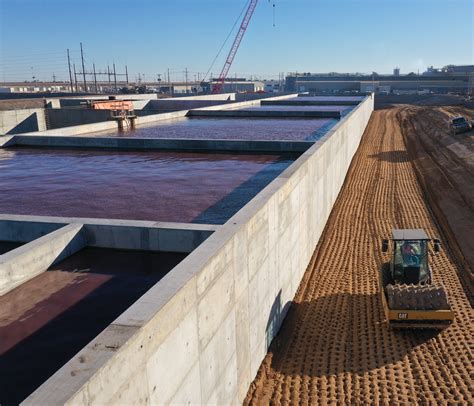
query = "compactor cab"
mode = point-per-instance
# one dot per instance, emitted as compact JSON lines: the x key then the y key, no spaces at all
{"x":409,"y":296}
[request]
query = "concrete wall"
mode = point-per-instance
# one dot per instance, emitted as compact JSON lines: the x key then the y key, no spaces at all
{"x":24,"y":263}
{"x":266,"y":113}
{"x":310,"y":103}
{"x":115,"y":234}
{"x":239,"y":97}
{"x":200,"y":334}
{"x":21,"y":121}
{"x":58,"y":118}
{"x":147,"y":144}
{"x":78,"y":129}
{"x":176,"y":104}
{"x":73,"y":101}
{"x":149,"y":119}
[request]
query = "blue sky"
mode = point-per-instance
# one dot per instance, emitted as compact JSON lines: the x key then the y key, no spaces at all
{"x":151,"y":36}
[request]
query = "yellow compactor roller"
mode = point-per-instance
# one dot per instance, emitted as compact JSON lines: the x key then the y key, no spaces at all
{"x":409,"y":297}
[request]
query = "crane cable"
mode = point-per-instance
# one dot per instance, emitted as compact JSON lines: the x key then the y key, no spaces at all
{"x":228,"y":36}
{"x":274,"y":23}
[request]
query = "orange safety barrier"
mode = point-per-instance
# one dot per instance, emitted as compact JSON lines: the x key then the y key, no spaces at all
{"x":112,"y":105}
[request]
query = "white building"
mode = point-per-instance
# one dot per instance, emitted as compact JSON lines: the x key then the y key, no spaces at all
{"x":241,"y":87}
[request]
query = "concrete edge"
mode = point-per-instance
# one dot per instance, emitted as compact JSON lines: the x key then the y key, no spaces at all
{"x":265,"y":114}
{"x":108,"y":222}
{"x":248,"y":103}
{"x":7,"y":141}
{"x":24,"y":263}
{"x":114,"y":234}
{"x":310,"y":103}
{"x":163,"y":144}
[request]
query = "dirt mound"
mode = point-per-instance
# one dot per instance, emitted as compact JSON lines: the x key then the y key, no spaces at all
{"x":441,"y":100}
{"x":388,"y":101}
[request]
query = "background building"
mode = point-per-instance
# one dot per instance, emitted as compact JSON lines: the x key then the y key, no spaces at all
{"x":449,"y":79}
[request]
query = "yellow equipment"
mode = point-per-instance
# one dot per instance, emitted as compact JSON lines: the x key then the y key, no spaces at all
{"x":409,"y":297}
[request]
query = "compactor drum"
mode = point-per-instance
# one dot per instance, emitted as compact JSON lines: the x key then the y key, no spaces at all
{"x":409,"y":296}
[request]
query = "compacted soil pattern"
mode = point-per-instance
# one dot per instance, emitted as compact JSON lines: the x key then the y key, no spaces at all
{"x":334,"y":346}
{"x":444,"y":163}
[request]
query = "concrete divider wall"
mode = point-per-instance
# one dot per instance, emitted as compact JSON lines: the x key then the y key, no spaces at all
{"x":257,"y":96}
{"x":79,"y":129}
{"x":24,"y":263}
{"x":190,"y":102}
{"x":114,"y":234}
{"x":163,"y":144}
{"x":16,"y":229}
{"x":173,"y":104}
{"x":266,"y":113}
{"x":22,"y":120}
{"x":149,"y":119}
{"x":200,"y":334}
{"x":58,"y":118}
{"x":72,"y":100}
{"x":246,"y":103}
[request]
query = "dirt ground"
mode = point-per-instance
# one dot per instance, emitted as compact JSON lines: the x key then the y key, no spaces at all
{"x":334,"y":346}
{"x":444,"y":163}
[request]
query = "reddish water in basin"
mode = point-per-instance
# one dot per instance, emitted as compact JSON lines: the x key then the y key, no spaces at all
{"x":166,"y":186}
{"x":225,"y":128}
{"x":47,"y":320}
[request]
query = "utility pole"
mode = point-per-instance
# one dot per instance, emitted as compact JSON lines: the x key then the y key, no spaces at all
{"x":186,"y":78}
{"x":83,"y":70}
{"x":126,"y":74}
{"x":169,"y":83}
{"x":75,"y":76}
{"x":108,"y":74}
{"x":70,"y":74}
{"x":115,"y":79}
{"x":95,"y":78}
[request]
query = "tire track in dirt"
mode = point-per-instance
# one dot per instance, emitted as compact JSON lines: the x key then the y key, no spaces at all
{"x":446,"y":180}
{"x":333,"y":346}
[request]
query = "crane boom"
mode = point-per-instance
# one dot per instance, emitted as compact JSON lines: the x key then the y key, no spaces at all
{"x":235,"y":46}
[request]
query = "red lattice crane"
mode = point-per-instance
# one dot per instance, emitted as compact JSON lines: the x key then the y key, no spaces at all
{"x":235,"y":46}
